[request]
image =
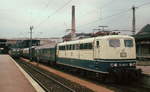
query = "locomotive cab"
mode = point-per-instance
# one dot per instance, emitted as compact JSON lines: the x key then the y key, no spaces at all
{"x":115,"y":48}
{"x":117,"y":55}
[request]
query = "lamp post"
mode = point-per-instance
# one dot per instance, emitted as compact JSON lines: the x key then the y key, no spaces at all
{"x":30,"y":49}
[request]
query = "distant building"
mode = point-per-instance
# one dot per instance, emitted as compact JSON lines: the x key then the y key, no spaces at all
{"x":25,"y":42}
{"x":11,"y":42}
{"x":45,"y":41}
{"x":143,"y":42}
{"x":3,"y":43}
{"x":3,"y":46}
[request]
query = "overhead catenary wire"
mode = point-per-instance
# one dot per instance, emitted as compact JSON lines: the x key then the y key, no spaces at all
{"x":107,"y":17}
{"x":57,"y":10}
{"x":113,"y":15}
{"x":144,"y":4}
{"x":104,"y":18}
{"x":103,"y":6}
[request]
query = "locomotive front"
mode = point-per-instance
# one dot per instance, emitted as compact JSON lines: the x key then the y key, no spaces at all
{"x":118,"y":57}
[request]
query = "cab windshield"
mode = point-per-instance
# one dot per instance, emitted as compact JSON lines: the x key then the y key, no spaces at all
{"x":114,"y":43}
{"x":128,"y":43}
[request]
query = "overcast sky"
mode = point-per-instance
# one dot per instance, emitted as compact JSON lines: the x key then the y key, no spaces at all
{"x":51,"y":18}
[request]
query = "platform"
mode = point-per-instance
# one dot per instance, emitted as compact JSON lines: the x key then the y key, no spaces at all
{"x":145,"y":69}
{"x":12,"y":78}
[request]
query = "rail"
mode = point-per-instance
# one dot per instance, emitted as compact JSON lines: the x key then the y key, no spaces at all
{"x":48,"y":83}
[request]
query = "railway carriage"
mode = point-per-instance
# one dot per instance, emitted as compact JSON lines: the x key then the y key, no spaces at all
{"x":114,"y":55}
{"x":25,"y":52}
{"x":15,"y":52}
{"x":45,"y":54}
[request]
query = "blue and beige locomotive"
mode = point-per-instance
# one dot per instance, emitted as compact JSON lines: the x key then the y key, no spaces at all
{"x":111,"y":56}
{"x":114,"y":56}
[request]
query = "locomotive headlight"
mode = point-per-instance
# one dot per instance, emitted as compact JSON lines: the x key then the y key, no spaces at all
{"x":113,"y":65}
{"x":130,"y":64}
{"x":134,"y":64}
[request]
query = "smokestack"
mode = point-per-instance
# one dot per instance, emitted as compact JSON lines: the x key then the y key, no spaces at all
{"x":73,"y":23}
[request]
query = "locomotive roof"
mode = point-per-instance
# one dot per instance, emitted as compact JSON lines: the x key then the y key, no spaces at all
{"x":114,"y":36}
{"x":88,"y":40}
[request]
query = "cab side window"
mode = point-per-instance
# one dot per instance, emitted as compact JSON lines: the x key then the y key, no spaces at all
{"x":97,"y":44}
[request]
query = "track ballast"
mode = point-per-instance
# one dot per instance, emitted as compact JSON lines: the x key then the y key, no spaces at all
{"x":51,"y":82}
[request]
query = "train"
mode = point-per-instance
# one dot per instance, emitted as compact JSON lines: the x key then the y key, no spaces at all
{"x":103,"y":57}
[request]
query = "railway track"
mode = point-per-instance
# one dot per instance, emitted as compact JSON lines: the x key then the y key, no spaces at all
{"x":142,"y":86}
{"x":50,"y":82}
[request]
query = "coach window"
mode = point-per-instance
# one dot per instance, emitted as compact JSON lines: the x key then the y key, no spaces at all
{"x":81,"y":46}
{"x":85,"y":45}
{"x":73,"y":47}
{"x":67,"y":47}
{"x":76,"y":46}
{"x":60,"y":47}
{"x":63,"y":47}
{"x":90,"y":46}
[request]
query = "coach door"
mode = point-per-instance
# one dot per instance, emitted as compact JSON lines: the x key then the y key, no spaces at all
{"x":97,"y":49}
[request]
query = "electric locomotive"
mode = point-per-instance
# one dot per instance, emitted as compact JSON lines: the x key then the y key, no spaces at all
{"x":113,"y":56}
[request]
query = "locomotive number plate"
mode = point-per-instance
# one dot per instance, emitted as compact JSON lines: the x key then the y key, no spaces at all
{"x":123,"y":54}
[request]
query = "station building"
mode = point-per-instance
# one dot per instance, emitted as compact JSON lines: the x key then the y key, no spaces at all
{"x":143,"y":43}
{"x":3,"y":46}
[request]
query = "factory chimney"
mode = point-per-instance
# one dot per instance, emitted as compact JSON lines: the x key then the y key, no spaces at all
{"x":73,"y":29}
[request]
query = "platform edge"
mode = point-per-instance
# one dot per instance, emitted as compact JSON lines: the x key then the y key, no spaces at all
{"x":35,"y":85}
